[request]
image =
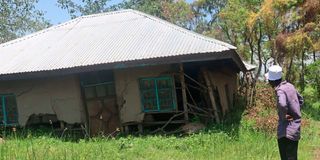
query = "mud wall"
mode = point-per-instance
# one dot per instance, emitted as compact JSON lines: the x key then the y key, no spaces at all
{"x":127,"y":89}
{"x":59,"y":95}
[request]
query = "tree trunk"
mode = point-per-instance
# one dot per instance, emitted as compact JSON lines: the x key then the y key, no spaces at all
{"x":251,"y":49}
{"x":259,"y":53}
{"x":260,"y":64}
{"x":302,"y":72}
{"x":289,"y":70}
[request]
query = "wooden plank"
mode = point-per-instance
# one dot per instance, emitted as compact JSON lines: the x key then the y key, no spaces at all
{"x":222,"y":94}
{"x":201,"y":85}
{"x":184,"y":93}
{"x":164,"y":122}
{"x":210,"y":91}
{"x":83,"y":97}
{"x":140,"y":128}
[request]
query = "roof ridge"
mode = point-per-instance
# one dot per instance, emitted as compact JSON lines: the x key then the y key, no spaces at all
{"x":183,"y":30}
{"x":25,"y":37}
{"x":156,"y":19}
{"x":107,"y":13}
{"x":38,"y":32}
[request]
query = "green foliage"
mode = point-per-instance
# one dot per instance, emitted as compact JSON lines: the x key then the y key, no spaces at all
{"x":206,"y":14}
{"x":284,"y":5}
{"x":312,"y":102}
{"x":235,"y":138}
{"x":313,"y":77}
{"x":18,"y":18}
{"x":151,"y":7}
{"x":86,"y":7}
{"x":218,"y":142}
{"x":178,"y":12}
{"x":233,"y":24}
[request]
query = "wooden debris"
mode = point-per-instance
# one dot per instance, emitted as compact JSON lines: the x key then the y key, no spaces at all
{"x":184,"y":93}
{"x":211,"y":96}
{"x":192,"y":128}
{"x":168,"y":122}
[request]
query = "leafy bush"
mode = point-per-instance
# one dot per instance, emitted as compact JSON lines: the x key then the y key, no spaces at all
{"x":312,"y":102}
{"x":313,"y":77}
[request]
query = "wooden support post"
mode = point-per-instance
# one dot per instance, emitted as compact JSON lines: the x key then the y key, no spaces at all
{"x":184,"y":93}
{"x":222,"y":94}
{"x":140,"y":128}
{"x":210,"y":91}
{"x":62,"y":125}
{"x":126,"y":129}
{"x":87,"y":117}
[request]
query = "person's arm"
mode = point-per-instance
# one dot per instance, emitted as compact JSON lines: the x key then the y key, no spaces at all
{"x":295,"y":109}
{"x":300,"y":98}
{"x":282,"y":105}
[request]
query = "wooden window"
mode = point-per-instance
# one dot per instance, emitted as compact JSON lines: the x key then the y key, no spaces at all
{"x":99,"y":90}
{"x":98,"y":84}
{"x":8,"y":110}
{"x":157,"y":94}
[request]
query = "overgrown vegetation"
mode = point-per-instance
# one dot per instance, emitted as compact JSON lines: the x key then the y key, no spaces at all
{"x":286,"y":31}
{"x":245,"y":134}
{"x":18,"y":18}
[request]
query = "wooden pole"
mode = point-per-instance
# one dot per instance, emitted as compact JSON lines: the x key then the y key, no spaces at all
{"x":201,"y":85}
{"x":83,"y":97}
{"x":213,"y":102}
{"x":222,"y":94}
{"x":184,"y":93}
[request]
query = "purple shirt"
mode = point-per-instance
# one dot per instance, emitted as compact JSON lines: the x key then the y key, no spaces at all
{"x":288,"y":103}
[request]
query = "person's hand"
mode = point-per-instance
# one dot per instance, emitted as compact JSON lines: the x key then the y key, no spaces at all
{"x":289,"y":118}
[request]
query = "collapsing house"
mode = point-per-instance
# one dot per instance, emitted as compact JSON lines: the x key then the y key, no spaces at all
{"x":122,"y":69}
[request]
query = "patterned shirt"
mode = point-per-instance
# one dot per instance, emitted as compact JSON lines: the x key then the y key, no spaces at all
{"x":289,"y":102}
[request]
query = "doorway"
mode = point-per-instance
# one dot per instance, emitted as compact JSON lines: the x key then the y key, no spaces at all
{"x":100,"y":99}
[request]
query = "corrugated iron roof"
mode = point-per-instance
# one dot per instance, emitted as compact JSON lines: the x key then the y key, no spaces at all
{"x":112,"y":37}
{"x":249,"y":67}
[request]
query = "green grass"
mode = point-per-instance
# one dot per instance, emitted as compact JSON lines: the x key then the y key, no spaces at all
{"x":220,"y":142}
{"x":235,"y":139}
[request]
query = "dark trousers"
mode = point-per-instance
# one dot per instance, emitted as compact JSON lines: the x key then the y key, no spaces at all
{"x":288,"y":149}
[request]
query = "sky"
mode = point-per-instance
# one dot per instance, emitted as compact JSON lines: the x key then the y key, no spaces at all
{"x":56,"y":15}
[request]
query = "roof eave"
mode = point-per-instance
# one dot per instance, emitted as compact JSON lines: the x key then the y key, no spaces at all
{"x":228,"y":54}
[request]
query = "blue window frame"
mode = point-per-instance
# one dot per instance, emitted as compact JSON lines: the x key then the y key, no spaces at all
{"x":157,"y":94}
{"x":8,"y":110}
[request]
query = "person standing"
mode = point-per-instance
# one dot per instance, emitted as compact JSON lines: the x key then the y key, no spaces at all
{"x":289,"y":102}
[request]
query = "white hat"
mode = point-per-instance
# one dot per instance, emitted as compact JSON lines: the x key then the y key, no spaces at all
{"x":275,"y":73}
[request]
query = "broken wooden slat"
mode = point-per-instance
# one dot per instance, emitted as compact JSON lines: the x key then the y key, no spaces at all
{"x":184,"y":93}
{"x":210,"y":91}
{"x":201,"y":85}
{"x":222,"y":94}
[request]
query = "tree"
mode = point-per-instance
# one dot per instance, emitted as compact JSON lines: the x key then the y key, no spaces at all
{"x":206,"y":15}
{"x":244,"y":26}
{"x":153,"y":7}
{"x":178,"y":12}
{"x":284,"y":30}
{"x":85,"y":7}
{"x":299,"y":37}
{"x":313,"y":76}
{"x":18,"y":18}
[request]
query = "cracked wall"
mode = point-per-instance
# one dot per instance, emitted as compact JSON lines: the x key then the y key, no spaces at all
{"x":57,"y":95}
{"x":128,"y":92}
